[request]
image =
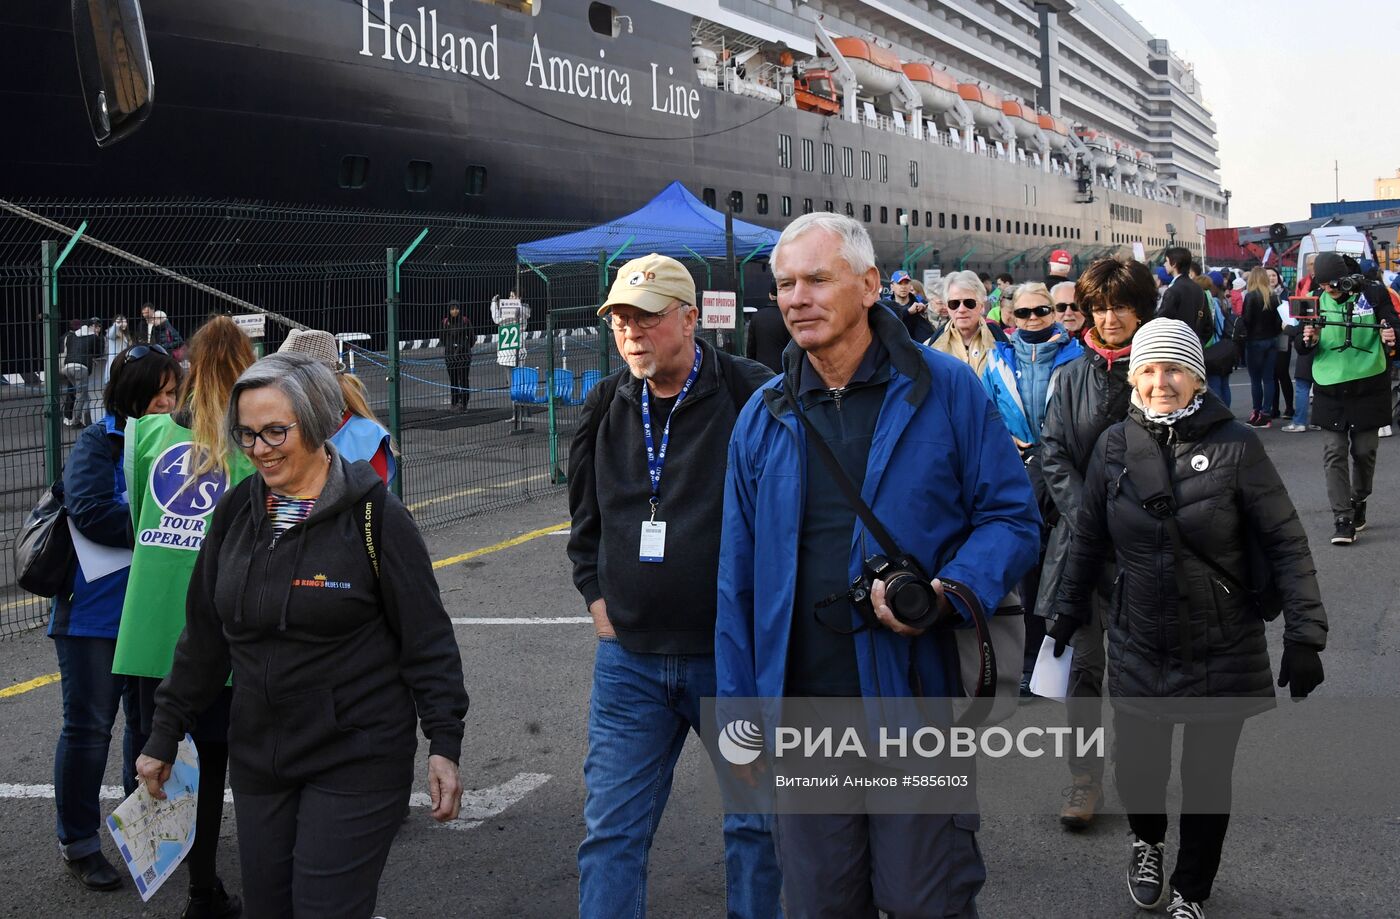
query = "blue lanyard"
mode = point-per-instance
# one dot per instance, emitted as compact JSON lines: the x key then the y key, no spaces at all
{"x":657,"y":459}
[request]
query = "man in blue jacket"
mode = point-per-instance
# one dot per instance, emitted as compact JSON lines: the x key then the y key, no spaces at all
{"x":889,"y":409}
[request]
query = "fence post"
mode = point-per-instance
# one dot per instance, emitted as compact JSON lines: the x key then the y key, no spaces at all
{"x":53,"y":435}
{"x":555,"y":477}
{"x":391,"y":262}
{"x":603,"y":329}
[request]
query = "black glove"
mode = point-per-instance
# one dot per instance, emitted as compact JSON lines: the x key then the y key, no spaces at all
{"x":1300,"y":670}
{"x":1062,"y":630}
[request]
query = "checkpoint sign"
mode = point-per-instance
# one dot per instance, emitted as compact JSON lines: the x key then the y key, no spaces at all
{"x":254,"y":325}
{"x":717,"y":309}
{"x":508,"y":344}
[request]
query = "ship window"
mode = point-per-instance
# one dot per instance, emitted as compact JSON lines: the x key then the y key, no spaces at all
{"x":806,"y":205}
{"x":831,"y":207}
{"x":848,"y":162}
{"x":942,"y":220}
{"x":884,"y":168}
{"x":787,"y":206}
{"x":605,"y":21}
{"x":865,"y":213}
{"x":914,"y":173}
{"x":928,"y":218}
{"x":828,"y":159}
{"x":760,"y":203}
{"x":476,"y":180}
{"x":736,"y":201}
{"x":418,"y":176}
{"x":998,"y":224}
{"x":884,"y":215}
{"x":785,"y":151}
{"x":977,"y":224}
{"x":807,"y":154}
{"x":850,"y":210}
{"x":865,"y":165}
{"x":955,"y":221}
{"x":1096,"y":236}
{"x":967,"y":222}
{"x":915,"y":215}
{"x":708,"y":196}
{"x":354,"y":171}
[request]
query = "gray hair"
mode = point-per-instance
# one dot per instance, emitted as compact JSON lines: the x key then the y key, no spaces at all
{"x":308,"y":384}
{"x":1054,"y":291}
{"x":968,"y":280}
{"x":938,"y":290}
{"x":856,"y":247}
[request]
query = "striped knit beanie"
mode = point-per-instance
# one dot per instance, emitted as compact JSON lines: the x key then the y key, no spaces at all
{"x":1167,"y":341}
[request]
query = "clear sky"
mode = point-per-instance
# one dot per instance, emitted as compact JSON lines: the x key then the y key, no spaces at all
{"x":1278,"y":92}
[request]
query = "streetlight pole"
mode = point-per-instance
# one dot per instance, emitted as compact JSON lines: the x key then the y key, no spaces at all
{"x":904,"y":222}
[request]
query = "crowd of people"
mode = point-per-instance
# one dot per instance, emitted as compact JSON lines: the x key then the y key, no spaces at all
{"x":1093,"y":481}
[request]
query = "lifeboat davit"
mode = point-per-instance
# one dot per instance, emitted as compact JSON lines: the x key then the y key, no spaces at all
{"x":1057,"y":130}
{"x":983,"y":103}
{"x":1127,"y":161}
{"x":1022,"y":118}
{"x":1148,"y":166}
{"x":938,"y":88}
{"x":877,"y":69}
{"x":815,"y":91}
{"x":1100,"y":149}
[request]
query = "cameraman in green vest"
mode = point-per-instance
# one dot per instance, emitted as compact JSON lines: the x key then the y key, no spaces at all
{"x":1351,"y":391}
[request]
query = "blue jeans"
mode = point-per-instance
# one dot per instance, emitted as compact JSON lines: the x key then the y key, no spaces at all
{"x":1259,"y":359}
{"x":643,"y":707}
{"x":91,"y":694}
{"x":1302,"y":392}
{"x":1221,"y":387}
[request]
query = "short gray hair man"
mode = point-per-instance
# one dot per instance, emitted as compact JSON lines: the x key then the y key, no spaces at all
{"x":855,"y":245}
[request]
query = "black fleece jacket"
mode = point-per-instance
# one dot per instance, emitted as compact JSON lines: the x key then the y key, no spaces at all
{"x":666,"y":607}
{"x":332,"y":665}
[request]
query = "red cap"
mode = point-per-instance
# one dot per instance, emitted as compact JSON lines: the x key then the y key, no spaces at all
{"x":1060,"y":257}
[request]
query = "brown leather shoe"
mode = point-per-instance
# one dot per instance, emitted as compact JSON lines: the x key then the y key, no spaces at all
{"x":1084,"y":797}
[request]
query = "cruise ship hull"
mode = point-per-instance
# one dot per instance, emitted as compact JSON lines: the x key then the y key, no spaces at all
{"x":264,"y":100}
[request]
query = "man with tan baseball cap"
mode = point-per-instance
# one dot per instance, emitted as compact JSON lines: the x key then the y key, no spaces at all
{"x":651,"y":283}
{"x":646,"y":492}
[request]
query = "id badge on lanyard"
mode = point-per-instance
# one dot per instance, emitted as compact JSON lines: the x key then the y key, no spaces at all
{"x":652,"y":545}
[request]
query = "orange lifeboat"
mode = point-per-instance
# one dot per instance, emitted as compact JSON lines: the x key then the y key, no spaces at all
{"x":1057,"y":130}
{"x":877,"y":69}
{"x":1022,"y":118}
{"x":815,"y":91}
{"x":937,"y":88}
{"x":983,"y":103}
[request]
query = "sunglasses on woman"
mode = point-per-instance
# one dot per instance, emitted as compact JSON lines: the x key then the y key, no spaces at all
{"x":969,"y":304}
{"x":1067,"y":307}
{"x":1027,"y":312}
{"x":140,"y":351}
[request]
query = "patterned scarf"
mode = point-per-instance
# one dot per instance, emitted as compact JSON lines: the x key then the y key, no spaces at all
{"x":1167,"y":419}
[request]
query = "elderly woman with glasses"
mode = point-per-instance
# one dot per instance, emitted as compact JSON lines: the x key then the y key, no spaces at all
{"x":1067,"y":312}
{"x":314,"y":587}
{"x":968,"y":336}
{"x":1089,"y":395}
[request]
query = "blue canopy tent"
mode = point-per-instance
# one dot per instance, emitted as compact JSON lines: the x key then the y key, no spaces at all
{"x":674,"y":223}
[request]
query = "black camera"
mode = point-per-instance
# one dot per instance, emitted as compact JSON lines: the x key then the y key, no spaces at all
{"x":1350,"y":284}
{"x":908,"y":591}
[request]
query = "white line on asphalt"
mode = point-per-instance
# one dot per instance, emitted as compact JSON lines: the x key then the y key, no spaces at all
{"x":526,"y":620}
{"x":482,"y":804}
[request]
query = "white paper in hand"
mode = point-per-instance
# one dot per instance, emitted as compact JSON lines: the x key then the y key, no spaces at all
{"x":155,"y":836}
{"x":1050,"y":678}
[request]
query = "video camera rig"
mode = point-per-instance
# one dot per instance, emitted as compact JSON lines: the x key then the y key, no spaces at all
{"x":1306,"y":312}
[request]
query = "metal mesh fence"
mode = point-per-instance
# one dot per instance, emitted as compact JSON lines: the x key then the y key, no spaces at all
{"x":471,"y":438}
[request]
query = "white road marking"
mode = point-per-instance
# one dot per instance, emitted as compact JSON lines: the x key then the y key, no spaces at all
{"x":525,"y":620}
{"x":482,"y":804}
{"x":478,"y":804}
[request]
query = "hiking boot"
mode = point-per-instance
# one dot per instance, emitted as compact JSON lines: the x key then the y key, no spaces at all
{"x":1294,"y":428}
{"x":1145,"y":882}
{"x":1345,"y":534}
{"x":212,"y":903}
{"x":94,"y":872}
{"x":1358,"y":515}
{"x":1084,"y":797}
{"x":1182,"y":908}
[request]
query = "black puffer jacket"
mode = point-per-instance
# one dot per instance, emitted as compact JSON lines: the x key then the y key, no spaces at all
{"x":1091,"y":393}
{"x":1224,"y":486}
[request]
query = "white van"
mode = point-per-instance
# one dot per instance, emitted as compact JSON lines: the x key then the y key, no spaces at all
{"x":1346,"y":240}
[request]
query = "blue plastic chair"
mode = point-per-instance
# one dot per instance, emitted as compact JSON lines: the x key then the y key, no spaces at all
{"x":525,"y":386}
{"x":564,"y":386}
{"x":590,"y":380}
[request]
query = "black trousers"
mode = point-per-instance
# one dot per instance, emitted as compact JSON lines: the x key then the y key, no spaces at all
{"x":1207,"y":763}
{"x":458,"y":376}
{"x":1283,"y":383}
{"x":315,"y":853}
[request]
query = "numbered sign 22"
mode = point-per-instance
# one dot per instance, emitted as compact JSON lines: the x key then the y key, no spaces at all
{"x":507,"y":344}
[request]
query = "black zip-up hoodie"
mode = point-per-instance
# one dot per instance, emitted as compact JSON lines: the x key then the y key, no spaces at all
{"x":666,"y":607}
{"x":332,"y":666}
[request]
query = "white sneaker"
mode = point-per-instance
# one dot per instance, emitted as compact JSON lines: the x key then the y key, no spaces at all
{"x":1385,"y":431}
{"x":1182,"y":908}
